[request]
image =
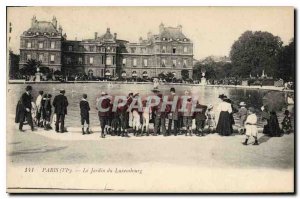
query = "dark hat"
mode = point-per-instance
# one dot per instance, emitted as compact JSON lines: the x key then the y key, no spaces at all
{"x":49,"y":95}
{"x":84,"y":96}
{"x":286,"y":112}
{"x":28,"y":88}
{"x":222,"y":96}
{"x":172,"y":90}
{"x":41,"y":92}
{"x":62,"y":91}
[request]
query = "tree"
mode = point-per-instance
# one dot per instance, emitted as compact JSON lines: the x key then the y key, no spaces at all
{"x":185,"y":74}
{"x":254,"y":52}
{"x":286,"y":62}
{"x":30,"y":67}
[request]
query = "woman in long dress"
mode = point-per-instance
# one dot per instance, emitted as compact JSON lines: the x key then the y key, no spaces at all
{"x":224,"y":126}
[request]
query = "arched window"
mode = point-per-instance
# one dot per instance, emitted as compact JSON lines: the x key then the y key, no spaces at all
{"x":134,"y":74}
{"x":91,"y":73}
{"x":145,"y":74}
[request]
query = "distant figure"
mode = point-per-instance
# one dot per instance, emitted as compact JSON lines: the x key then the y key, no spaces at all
{"x":155,"y":84}
{"x":243,"y":116}
{"x":128,"y":103}
{"x":123,"y":115}
{"x":287,"y":123}
{"x":136,"y":123}
{"x":39,"y":108}
{"x":60,"y":104}
{"x":84,"y":114}
{"x":24,"y":109}
{"x":251,"y":127}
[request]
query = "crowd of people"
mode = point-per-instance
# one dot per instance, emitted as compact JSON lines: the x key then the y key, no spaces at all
{"x":171,"y":115}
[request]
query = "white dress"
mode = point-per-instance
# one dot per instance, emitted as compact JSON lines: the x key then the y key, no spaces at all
{"x":251,"y":125}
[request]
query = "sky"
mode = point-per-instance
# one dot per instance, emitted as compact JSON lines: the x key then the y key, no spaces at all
{"x":212,"y":30}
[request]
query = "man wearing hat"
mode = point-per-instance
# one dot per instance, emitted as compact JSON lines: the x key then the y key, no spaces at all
{"x":24,"y":108}
{"x":160,"y":117}
{"x":243,"y":116}
{"x":60,"y":104}
{"x":128,"y":103}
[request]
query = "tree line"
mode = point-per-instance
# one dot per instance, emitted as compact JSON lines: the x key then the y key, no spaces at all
{"x":254,"y":53}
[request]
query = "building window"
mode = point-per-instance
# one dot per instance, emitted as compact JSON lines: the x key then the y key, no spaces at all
{"x":41,"y":45}
{"x":69,"y":61}
{"x":41,"y":57}
{"x":174,"y":50}
{"x":146,"y":62}
{"x":102,"y":59}
{"x":91,"y":60}
{"x":91,"y":48}
{"x":184,"y":63}
{"x":163,"y":62}
{"x":52,"y":58}
{"x":164,"y":49}
{"x":133,"y":50}
{"x":91,"y":73}
{"x":108,"y":61}
{"x":124,"y":62}
{"x":185,"y":49}
{"x":79,"y":60}
{"x":134,"y":62}
{"x":184,"y":39}
{"x":174,"y":63}
{"x":28,"y":56}
{"x":29,"y":45}
{"x":102,"y":72}
{"x":52,"y":44}
{"x":102,"y":49}
{"x":114,"y":61}
{"x":70,"y":48}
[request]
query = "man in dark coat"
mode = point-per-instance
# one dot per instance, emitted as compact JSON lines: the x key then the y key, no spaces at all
{"x":24,"y":109}
{"x":174,"y":114}
{"x":200,"y":118}
{"x":60,"y":104}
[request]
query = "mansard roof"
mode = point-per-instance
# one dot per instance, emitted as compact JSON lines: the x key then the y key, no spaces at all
{"x":43,"y":26}
{"x":172,"y":33}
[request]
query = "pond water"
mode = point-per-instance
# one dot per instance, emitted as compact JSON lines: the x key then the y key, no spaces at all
{"x":74,"y":91}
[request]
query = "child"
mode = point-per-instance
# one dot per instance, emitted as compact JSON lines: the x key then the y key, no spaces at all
{"x":136,"y":122}
{"x":287,"y":123}
{"x":47,"y":111}
{"x":123,"y":116}
{"x":200,"y":118}
{"x":251,"y":126}
{"x":84,"y":113}
{"x":211,"y":118}
{"x":243,"y":116}
{"x":146,"y":117}
{"x":187,"y":117}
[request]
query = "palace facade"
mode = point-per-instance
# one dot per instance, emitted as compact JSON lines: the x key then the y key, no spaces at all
{"x":106,"y":55}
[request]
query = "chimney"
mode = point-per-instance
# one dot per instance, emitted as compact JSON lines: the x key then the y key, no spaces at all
{"x":60,"y":29}
{"x":65,"y":36}
{"x":115,"y":36}
{"x":140,"y":39}
{"x":161,"y":28}
{"x":179,"y":27}
{"x":33,"y":20}
{"x":96,"y":35}
{"x":54,"y":22}
{"x":108,"y":30}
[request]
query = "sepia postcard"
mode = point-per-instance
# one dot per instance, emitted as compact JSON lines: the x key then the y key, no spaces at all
{"x":150,"y":100}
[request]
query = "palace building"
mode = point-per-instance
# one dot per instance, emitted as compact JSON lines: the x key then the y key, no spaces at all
{"x":106,"y":55}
